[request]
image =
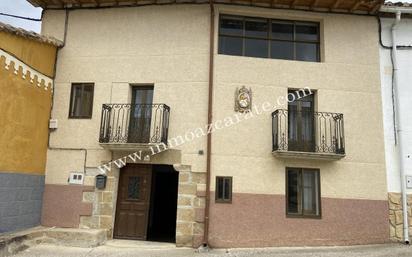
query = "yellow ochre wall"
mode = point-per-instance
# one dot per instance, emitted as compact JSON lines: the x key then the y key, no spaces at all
{"x":24,"y":107}
{"x":39,"y":56}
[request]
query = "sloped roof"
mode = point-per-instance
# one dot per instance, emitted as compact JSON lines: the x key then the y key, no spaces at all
{"x":338,"y":6}
{"x":29,"y":35}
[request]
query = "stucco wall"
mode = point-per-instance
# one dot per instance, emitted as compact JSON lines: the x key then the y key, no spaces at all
{"x":25,"y":108}
{"x":168,"y":46}
{"x":24,"y":119}
{"x":346,"y":81}
{"x":404,"y":57}
{"x":38,"y":55}
{"x":175,"y":61}
{"x":130,"y":45}
{"x":404,"y":34}
{"x":164,"y":47}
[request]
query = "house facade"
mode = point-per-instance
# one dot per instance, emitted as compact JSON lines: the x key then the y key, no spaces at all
{"x":296,"y":156}
{"x":395,"y":77}
{"x":26,"y":80}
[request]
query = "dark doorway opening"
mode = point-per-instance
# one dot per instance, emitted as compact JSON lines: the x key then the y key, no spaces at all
{"x":163,"y":204}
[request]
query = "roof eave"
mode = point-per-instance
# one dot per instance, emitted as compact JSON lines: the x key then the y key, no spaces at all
{"x":370,"y":7}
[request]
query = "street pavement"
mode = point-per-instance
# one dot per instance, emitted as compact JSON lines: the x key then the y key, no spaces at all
{"x":120,"y":249}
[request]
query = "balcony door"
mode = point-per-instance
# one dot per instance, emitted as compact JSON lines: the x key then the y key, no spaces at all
{"x":140,"y":114}
{"x":301,"y":131}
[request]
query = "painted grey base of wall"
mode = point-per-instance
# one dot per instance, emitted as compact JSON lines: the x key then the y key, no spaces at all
{"x":20,"y":201}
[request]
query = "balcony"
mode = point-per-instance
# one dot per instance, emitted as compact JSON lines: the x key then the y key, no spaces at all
{"x":308,"y":135}
{"x":134,"y":126}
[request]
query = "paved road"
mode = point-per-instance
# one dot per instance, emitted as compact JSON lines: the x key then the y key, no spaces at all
{"x":392,"y":250}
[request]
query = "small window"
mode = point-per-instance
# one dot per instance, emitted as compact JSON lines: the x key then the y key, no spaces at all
{"x":81,"y":101}
{"x":302,"y":192}
{"x":133,"y":188}
{"x":223,"y":189}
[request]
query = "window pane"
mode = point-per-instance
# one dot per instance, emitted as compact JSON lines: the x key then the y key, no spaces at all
{"x":76,"y":101}
{"x":87,"y":101}
{"x":310,"y":192}
{"x":307,"y":52}
{"x":292,"y":191}
{"x":227,"y":189}
{"x":231,"y":26}
{"x":281,"y":50}
{"x":230,"y":45}
{"x":220,"y":189}
{"x":256,"y":48}
{"x":293,"y":133}
{"x":256,"y":28}
{"x":307,"y":32}
{"x":282,"y":30}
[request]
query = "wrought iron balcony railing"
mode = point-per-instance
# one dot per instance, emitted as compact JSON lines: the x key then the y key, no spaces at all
{"x":307,"y":131}
{"x":134,"y":123}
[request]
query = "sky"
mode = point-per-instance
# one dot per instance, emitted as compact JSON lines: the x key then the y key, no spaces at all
{"x":23,"y":8}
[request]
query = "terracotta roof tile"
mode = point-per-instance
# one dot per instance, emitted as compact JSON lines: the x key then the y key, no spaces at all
{"x":30,"y":35}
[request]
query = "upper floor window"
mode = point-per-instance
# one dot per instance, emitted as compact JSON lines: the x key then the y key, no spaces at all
{"x":269,"y":38}
{"x":81,"y":101}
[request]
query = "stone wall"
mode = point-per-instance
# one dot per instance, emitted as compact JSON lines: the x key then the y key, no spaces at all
{"x":190,"y":206}
{"x":103,"y":205}
{"x":396,"y":216}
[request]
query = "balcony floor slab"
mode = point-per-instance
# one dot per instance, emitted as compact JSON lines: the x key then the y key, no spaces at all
{"x":308,"y":155}
{"x":146,"y":147}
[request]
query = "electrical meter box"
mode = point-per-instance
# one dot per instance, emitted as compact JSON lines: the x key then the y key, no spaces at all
{"x":76,"y":178}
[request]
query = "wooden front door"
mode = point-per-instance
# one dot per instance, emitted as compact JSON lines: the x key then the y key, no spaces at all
{"x":133,"y":202}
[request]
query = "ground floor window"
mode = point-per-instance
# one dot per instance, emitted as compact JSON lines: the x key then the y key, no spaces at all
{"x":223,"y":189}
{"x":302,"y":192}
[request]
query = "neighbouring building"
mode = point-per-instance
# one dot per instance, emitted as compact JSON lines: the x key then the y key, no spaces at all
{"x":26,"y":83}
{"x":134,"y":76}
{"x":396,"y":95}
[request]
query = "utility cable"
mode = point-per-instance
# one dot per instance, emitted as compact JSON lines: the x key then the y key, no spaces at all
{"x":19,"y":17}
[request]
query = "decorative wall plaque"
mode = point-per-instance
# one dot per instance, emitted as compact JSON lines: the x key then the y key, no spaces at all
{"x":243,"y":99}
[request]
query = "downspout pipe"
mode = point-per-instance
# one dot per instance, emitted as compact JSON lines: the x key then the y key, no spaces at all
{"x":209,"y":122}
{"x":399,"y":129}
{"x":398,"y":120}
